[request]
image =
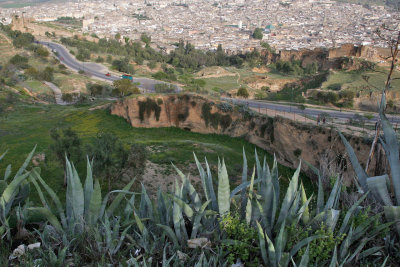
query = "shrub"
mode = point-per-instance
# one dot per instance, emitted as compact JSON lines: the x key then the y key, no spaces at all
{"x":242,"y":92}
{"x":297,"y":152}
{"x":246,"y":249}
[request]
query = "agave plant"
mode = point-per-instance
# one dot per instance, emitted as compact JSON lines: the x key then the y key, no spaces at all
{"x":13,"y":193}
{"x":355,"y":237}
{"x":84,"y":205}
{"x":380,"y":185}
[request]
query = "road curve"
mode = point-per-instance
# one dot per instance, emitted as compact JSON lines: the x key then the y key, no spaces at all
{"x":96,"y":71}
{"x":308,"y":111}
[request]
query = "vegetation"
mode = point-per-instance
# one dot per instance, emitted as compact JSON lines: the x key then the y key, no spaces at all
{"x":242,"y":92}
{"x":124,"y":87}
{"x":256,"y":225}
{"x":257,"y":34}
{"x":214,"y":119}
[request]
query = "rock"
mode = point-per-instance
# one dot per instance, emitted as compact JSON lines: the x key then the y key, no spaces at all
{"x":201,"y":242}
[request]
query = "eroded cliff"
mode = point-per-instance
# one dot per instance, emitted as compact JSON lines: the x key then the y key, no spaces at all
{"x":288,"y":140}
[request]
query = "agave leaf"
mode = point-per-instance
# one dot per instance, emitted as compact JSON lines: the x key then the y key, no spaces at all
{"x":121,"y":240}
{"x":39,"y":191}
{"x":25,"y":164}
{"x":2,"y":155}
{"x":94,"y":204}
{"x":176,"y":214}
{"x":289,"y":197}
{"x":302,"y":243}
{"x":162,"y":208}
{"x":349,"y":214}
{"x":130,"y":206}
{"x":379,"y":188}
{"x":369,"y":252}
{"x":210,"y":187}
{"x":275,"y":181}
{"x":139,"y":223}
{"x":356,"y":252}
{"x":361,"y":229}
{"x":249,"y":202}
{"x":190,"y":188}
{"x":261,"y":239}
{"x":392,"y":214}
{"x":344,"y":248}
{"x":334,"y":261}
{"x":301,"y":212}
{"x":88,"y":188}
{"x":184,"y":206}
{"x":280,"y":242}
{"x":53,"y":196}
{"x":75,"y":193}
{"x":243,"y":202}
{"x":361,"y":174}
{"x":7,"y":172}
{"x":384,"y":263}
{"x":46,"y":213}
{"x":306,"y":213}
{"x":391,"y":147}
{"x":202,"y":177}
{"x":305,"y":258}
{"x":334,"y":196}
{"x":223,"y":190}
{"x":197,"y":219}
{"x":117,"y":200}
{"x":146,"y":207}
{"x":170,"y":233}
{"x":3,"y":186}
{"x":9,"y":192}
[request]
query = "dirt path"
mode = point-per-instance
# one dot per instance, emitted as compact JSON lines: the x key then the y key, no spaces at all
{"x":57,"y":93}
{"x":6,"y":38}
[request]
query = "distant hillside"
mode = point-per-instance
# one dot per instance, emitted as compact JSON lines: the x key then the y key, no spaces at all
{"x":24,"y":3}
{"x":389,"y":3}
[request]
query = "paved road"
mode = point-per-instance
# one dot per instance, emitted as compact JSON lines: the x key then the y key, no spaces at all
{"x":308,"y":111}
{"x":96,"y":70}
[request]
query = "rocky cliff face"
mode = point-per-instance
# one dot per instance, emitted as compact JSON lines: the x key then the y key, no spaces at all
{"x":288,"y":140}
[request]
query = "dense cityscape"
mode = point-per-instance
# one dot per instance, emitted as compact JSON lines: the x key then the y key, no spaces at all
{"x":206,"y":24}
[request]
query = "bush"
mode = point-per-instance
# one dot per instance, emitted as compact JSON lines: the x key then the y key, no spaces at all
{"x":242,"y":92}
{"x":246,"y":247}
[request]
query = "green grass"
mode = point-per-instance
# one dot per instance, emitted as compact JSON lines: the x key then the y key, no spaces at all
{"x":28,"y":125}
{"x":353,"y":80}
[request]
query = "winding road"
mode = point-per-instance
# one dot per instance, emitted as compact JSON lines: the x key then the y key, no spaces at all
{"x":97,"y":70}
{"x":308,"y":111}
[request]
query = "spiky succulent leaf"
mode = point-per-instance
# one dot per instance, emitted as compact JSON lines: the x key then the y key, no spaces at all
{"x":360,"y":172}
{"x":223,"y":190}
{"x":379,"y":188}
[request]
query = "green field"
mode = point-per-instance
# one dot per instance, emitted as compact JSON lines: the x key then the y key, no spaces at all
{"x":353,"y":80}
{"x":29,"y":125}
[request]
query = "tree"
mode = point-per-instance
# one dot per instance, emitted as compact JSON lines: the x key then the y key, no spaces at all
{"x":242,"y":92}
{"x":124,"y":87}
{"x":41,"y":52}
{"x":66,"y":144}
{"x":118,"y":36}
{"x":257,"y":34}
{"x":108,"y":154}
{"x":145,"y":38}
{"x":47,"y":74}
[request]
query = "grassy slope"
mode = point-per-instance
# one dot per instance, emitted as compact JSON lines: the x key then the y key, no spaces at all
{"x":353,"y":80}
{"x":28,"y":125}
